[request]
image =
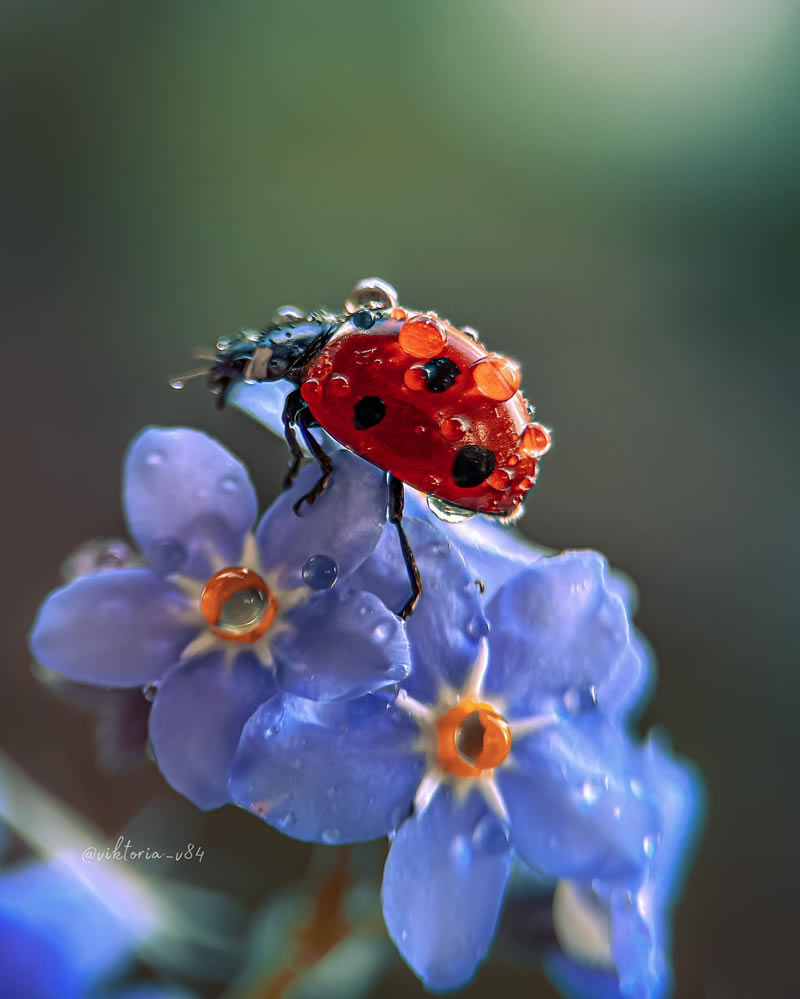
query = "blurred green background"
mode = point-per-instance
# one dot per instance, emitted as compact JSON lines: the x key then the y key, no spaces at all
{"x":607,"y":191}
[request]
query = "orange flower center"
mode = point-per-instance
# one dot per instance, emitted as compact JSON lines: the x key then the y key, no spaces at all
{"x":473,"y":738}
{"x":237,"y":604}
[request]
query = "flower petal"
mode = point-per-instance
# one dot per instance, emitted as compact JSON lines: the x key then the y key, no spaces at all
{"x":197,"y":719}
{"x":447,"y":623}
{"x":184,"y":493}
{"x":344,"y":523}
{"x":493,"y":551}
{"x":120,"y":629}
{"x":336,"y":783}
{"x":263,"y":401}
{"x":574,"y":804}
{"x":343,"y":643}
{"x":443,"y":886}
{"x":555,"y":627}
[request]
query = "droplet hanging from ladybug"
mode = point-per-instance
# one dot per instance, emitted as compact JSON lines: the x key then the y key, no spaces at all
{"x":407,"y":391}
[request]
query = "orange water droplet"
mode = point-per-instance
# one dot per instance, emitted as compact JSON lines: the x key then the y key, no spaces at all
{"x":454,"y":428}
{"x":535,"y":440}
{"x":525,"y":483}
{"x":422,"y":336}
{"x":339,"y":385}
{"x":472,"y":737}
{"x":415,"y":377}
{"x":513,"y":460}
{"x":499,"y":479}
{"x":496,"y":377}
{"x":253,"y":615}
{"x":431,"y":482}
{"x":399,"y":313}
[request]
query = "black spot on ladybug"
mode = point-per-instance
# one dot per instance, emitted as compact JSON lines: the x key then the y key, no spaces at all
{"x":368,"y":412}
{"x":363,"y":319}
{"x":473,"y":464}
{"x":440,"y":373}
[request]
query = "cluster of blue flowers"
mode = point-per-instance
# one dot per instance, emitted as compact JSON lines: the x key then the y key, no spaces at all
{"x":491,"y":729}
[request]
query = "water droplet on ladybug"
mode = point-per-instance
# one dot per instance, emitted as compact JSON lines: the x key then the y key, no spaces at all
{"x":320,"y":572}
{"x":363,"y":319}
{"x":499,"y":479}
{"x":415,"y":377}
{"x":431,"y":482}
{"x":496,"y":377}
{"x":535,"y":440}
{"x":513,"y":460}
{"x":525,"y":484}
{"x":311,"y":388}
{"x":422,"y":336}
{"x":454,"y":427}
{"x":339,"y":385}
{"x":399,"y":313}
{"x":420,"y":430}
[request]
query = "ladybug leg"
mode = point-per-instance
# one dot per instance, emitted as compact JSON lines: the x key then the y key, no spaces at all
{"x":323,"y":459}
{"x":291,"y":407}
{"x":396,"y":505}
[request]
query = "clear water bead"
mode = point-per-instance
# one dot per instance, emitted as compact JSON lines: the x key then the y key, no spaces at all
{"x":242,"y":610}
{"x":491,"y":835}
{"x":320,"y":572}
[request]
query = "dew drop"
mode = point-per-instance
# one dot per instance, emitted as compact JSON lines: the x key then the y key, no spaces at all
{"x":422,"y":336}
{"x":229,"y":484}
{"x":499,"y":479}
{"x":460,"y":851}
{"x":580,"y":700}
{"x":311,"y":388}
{"x":404,"y":935}
{"x":339,"y":385}
{"x":637,"y":788}
{"x":431,"y":482}
{"x":590,"y":792}
{"x":242,"y":610}
{"x":399,"y":313}
{"x":177,"y":384}
{"x":491,"y":835}
{"x":166,"y":556}
{"x":320,"y":572}
{"x":382,"y":632}
{"x":471,"y":332}
{"x":454,"y":428}
{"x":150,"y":690}
{"x":288,"y":819}
{"x":535,"y":440}
{"x":513,"y":460}
{"x":496,"y":377}
{"x":525,"y":484}
{"x":155,"y":458}
{"x":398,"y":672}
{"x":330,"y":835}
{"x":649,"y":847}
{"x":477,"y":626}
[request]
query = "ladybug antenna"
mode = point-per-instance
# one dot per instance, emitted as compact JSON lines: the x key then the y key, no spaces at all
{"x":180,"y":381}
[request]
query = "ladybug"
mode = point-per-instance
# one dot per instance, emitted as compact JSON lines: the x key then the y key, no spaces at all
{"x":407,"y":391}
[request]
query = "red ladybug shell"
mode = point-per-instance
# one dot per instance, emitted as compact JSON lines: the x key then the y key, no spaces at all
{"x":423,"y":400}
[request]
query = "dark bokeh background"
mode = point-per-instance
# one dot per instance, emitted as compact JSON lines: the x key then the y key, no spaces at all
{"x":607,"y":191}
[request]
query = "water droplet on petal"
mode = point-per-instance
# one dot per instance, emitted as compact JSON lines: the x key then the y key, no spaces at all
{"x":166,"y":556}
{"x":177,"y":384}
{"x":649,"y":846}
{"x":491,"y":835}
{"x":155,"y":458}
{"x":382,"y":632}
{"x":422,"y":336}
{"x":525,"y":484}
{"x":637,"y":788}
{"x":404,"y":935}
{"x":320,"y":572}
{"x":461,"y":851}
{"x":580,"y":700}
{"x":398,"y":672}
{"x":330,"y":835}
{"x":289,"y":819}
{"x":150,"y":690}
{"x":590,"y":792}
{"x":229,"y":483}
{"x":477,"y":626}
